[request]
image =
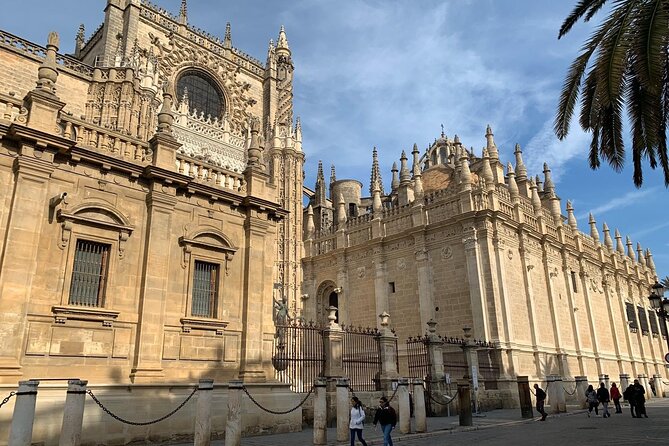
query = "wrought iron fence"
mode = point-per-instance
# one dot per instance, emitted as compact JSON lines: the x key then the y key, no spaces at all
{"x":361,"y":357}
{"x":298,"y":354}
{"x":419,"y":366}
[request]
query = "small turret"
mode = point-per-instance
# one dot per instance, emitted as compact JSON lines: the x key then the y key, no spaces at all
{"x":639,"y":252}
{"x":630,"y":248}
{"x":183,"y":13}
{"x":536,"y":201}
{"x":571,"y":218}
{"x":282,"y":48}
{"x":594,"y":233}
{"x":341,"y":212}
{"x":377,"y":206}
{"x":486,"y":171}
{"x":608,"y":242}
{"x":310,"y":228}
{"x":405,"y":175}
{"x":227,"y":38}
{"x":376,"y":173}
{"x":79,"y":40}
{"x":620,"y":248}
{"x":465,"y":172}
{"x":521,"y":170}
{"x":395,"y":183}
{"x":490,"y":144}
{"x":649,"y":260}
{"x":513,"y":186}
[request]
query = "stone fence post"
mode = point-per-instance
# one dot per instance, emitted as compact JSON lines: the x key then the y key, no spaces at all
{"x":419,"y":405}
{"x":388,"y":350}
{"x":205,"y":390}
{"x":435,"y":353}
{"x":561,"y":394}
{"x":403,"y":402}
{"x":343,"y":409}
{"x":581,"y":387}
{"x":233,"y":426}
{"x":465,"y":400}
{"x":624,"y":382}
{"x":21,"y":429}
{"x":643,"y":380}
{"x":333,"y":338}
{"x":552,"y":393}
{"x":73,"y":413}
{"x":320,"y":412}
{"x":659,"y":387}
{"x":524,"y":397}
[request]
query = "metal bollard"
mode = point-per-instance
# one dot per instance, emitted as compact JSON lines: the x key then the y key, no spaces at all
{"x":233,"y":426}
{"x":73,"y":414}
{"x":524,"y":397}
{"x":343,"y":409}
{"x":403,"y":401}
{"x":465,"y":400}
{"x":205,"y":390}
{"x":419,"y":405}
{"x":21,"y":430}
{"x":320,"y":412}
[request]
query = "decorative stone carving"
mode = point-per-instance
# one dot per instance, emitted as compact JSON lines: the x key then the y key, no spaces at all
{"x":361,"y":271}
{"x":401,"y":264}
{"x":446,"y":252}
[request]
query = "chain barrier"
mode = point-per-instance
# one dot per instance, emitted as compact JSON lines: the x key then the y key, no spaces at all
{"x":568,"y":392}
{"x":7,"y":398}
{"x":278,"y":412}
{"x":442,"y":403}
{"x":140,"y":423}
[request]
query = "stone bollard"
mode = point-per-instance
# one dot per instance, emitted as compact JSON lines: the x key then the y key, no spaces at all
{"x":465,"y":401}
{"x":659,"y":387}
{"x":205,"y":390}
{"x":524,"y":397}
{"x":602,"y":379}
{"x":419,"y":405}
{"x":581,"y":387}
{"x":624,"y":382}
{"x":73,"y":413}
{"x":343,"y":409}
{"x":21,"y":430}
{"x":561,"y":397}
{"x":233,"y":425}
{"x":643,"y":380}
{"x":403,"y":402}
{"x":552,"y":393}
{"x":320,"y":412}
{"x":607,"y":381}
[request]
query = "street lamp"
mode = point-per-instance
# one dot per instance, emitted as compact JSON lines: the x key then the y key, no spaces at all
{"x":660,"y":304}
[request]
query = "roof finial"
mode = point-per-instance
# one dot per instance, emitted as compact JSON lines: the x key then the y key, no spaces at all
{"x":183,"y":13}
{"x":521,"y":170}
{"x":487,"y":171}
{"x":571,"y":218}
{"x":639,"y":251}
{"x":341,"y":212}
{"x":377,"y":206}
{"x":594,"y":233}
{"x":227,"y":39}
{"x":282,"y":48}
{"x":490,"y":144}
{"x":608,"y":242}
{"x":333,"y":174}
{"x":549,"y":187}
{"x":536,"y":201}
{"x":513,"y":186}
{"x":310,"y":228}
{"x":442,"y":131}
{"x":649,"y":260}
{"x":630,"y":248}
{"x":405,"y":176}
{"x":396,"y":180}
{"x":619,"y":243}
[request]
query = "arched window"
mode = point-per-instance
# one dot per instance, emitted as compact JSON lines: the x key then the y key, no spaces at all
{"x":203,"y":93}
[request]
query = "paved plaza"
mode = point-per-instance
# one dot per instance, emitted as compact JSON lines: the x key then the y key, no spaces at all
{"x":502,"y":427}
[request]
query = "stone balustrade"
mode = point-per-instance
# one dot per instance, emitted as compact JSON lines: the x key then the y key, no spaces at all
{"x":210,"y":174}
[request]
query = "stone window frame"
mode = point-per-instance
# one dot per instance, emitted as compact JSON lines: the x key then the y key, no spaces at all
{"x":205,"y":73}
{"x":212,"y":246}
{"x":80,"y":223}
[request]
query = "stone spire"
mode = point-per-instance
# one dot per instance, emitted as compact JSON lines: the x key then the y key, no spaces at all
{"x":47,"y":74}
{"x":396,"y":179}
{"x":227,"y":38}
{"x":298,"y":135}
{"x":540,"y":184}
{"x":320,"y":194}
{"x":254,"y":152}
{"x":619,"y":243}
{"x":165,"y":115}
{"x":608,"y":242}
{"x":536,"y":201}
{"x":79,"y":40}
{"x":377,"y":206}
{"x":183,"y":13}
{"x":333,"y":174}
{"x":639,"y":252}
{"x":571,"y":218}
{"x":417,"y":175}
{"x":405,"y":175}
{"x":465,"y":172}
{"x":649,"y":260}
{"x":513,"y":186}
{"x":341,"y":212}
{"x":486,"y":171}
{"x":282,"y":48}
{"x":549,"y":187}
{"x":490,"y":144}
{"x":271,"y":55}
{"x":310,"y":227}
{"x":521,"y":170}
{"x":376,"y":173}
{"x":630,"y":248}
{"x":594,"y":233}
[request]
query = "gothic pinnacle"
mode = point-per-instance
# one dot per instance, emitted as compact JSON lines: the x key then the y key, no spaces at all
{"x":490,"y":144}
{"x":571,"y":218}
{"x":608,"y":242}
{"x":183,"y":13}
{"x":630,"y":248}
{"x":282,"y":47}
{"x":594,"y":233}
{"x":649,"y":260}
{"x":376,"y":173}
{"x":341,"y":212}
{"x":540,"y":184}
{"x":639,"y":251}
{"x":396,"y":180}
{"x":549,"y":187}
{"x":333,"y":174}
{"x":513,"y":186}
{"x":227,"y":39}
{"x":536,"y":201}
{"x":487,"y":170}
{"x":405,"y":176}
{"x":310,"y":227}
{"x":619,"y":243}
{"x":377,"y":206}
{"x":416,"y":161}
{"x":465,"y":173}
{"x":521,"y":170}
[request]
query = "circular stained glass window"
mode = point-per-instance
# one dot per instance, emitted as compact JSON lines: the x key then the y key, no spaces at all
{"x":203,"y":94}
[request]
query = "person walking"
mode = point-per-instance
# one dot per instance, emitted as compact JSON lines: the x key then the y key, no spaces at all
{"x":591,"y":398}
{"x":541,"y":400}
{"x":615,"y":396}
{"x":604,"y":398}
{"x":386,"y":417}
{"x":640,"y":399}
{"x":630,"y":396}
{"x":357,"y":420}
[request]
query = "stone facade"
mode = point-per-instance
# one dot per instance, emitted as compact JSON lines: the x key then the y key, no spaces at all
{"x":142,"y":237}
{"x":460,"y":242}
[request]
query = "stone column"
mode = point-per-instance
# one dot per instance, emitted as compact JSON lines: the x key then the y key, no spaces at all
{"x":476,"y":286}
{"x":333,"y":337}
{"x":343,"y":409}
{"x":403,"y":402}
{"x":21,"y":429}
{"x":581,"y":387}
{"x":465,"y":403}
{"x":659,"y":387}
{"x":233,"y":425}
{"x":624,"y":382}
{"x":590,"y":314}
{"x":524,"y":397}
{"x":73,"y":413}
{"x":388,"y":349}
{"x":561,"y":397}
{"x":203,"y":412}
{"x":526,"y":270}
{"x":419,"y":405}
{"x":320,"y":412}
{"x":424,"y":276}
{"x":153,"y":294}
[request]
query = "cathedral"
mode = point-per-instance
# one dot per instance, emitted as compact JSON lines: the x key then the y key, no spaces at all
{"x":152,"y":215}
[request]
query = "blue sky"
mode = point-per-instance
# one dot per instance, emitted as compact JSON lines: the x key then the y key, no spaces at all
{"x":388,"y":73}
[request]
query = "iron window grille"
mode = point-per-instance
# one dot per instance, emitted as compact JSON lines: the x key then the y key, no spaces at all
{"x":89,"y":274}
{"x":653,"y":323}
{"x":205,"y":289}
{"x":203,"y":94}
{"x":643,"y":321}
{"x":631,"y":317}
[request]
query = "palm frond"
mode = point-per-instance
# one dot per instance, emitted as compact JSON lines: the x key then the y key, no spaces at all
{"x":583,"y":8}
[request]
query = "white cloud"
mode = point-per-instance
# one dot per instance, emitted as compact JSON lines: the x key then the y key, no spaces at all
{"x":628,"y":199}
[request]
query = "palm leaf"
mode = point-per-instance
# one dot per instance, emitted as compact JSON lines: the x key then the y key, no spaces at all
{"x":586,"y":8}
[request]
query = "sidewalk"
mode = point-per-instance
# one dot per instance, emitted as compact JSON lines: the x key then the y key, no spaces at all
{"x":436,"y":426}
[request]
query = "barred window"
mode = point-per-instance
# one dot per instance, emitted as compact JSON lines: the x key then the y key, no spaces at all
{"x":653,"y":322}
{"x":203,"y":93}
{"x":205,"y":289}
{"x":663,"y":328}
{"x":89,"y":274}
{"x":631,"y":317}
{"x":642,"y":320}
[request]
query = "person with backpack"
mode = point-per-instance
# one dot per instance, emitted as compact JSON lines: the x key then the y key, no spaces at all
{"x":591,"y":399}
{"x":604,"y":398}
{"x":615,"y":396}
{"x":387,"y":418}
{"x":541,"y":400}
{"x":630,"y":396}
{"x":357,"y":420}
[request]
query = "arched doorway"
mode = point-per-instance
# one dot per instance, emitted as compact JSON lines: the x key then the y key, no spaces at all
{"x":328,"y":296}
